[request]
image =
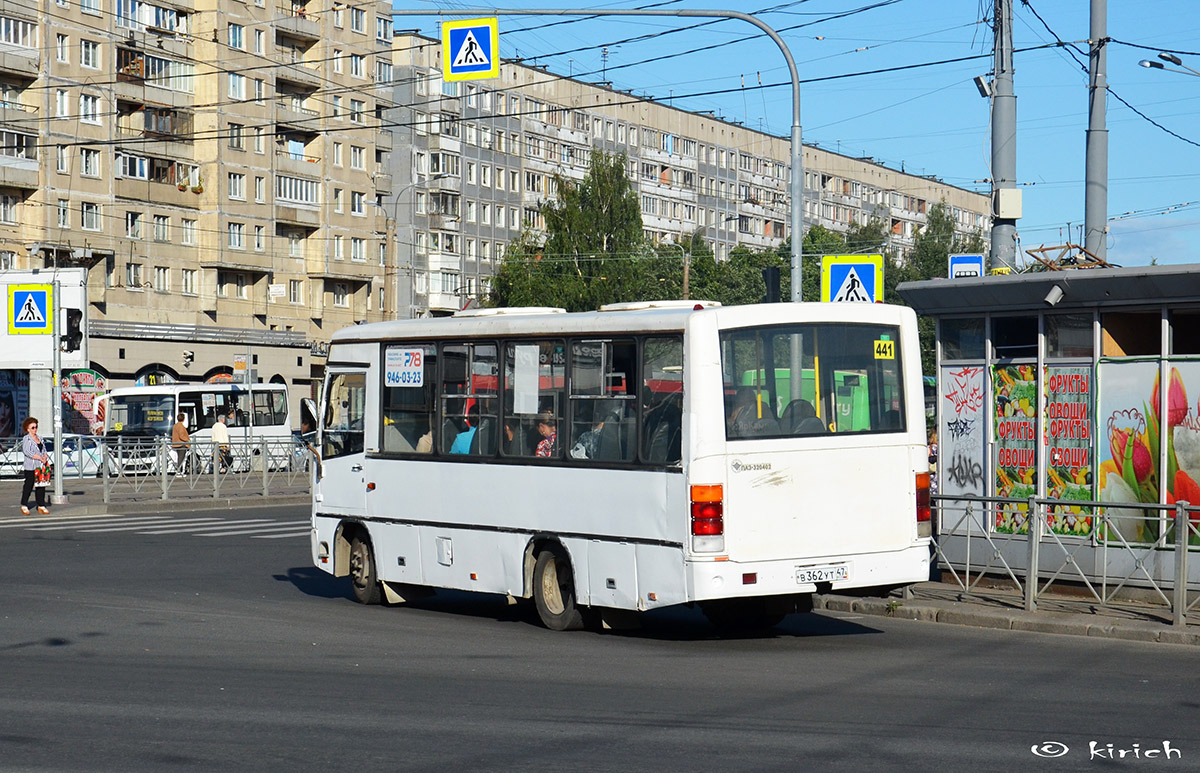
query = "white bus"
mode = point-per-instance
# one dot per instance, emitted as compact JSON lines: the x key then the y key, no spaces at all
{"x":642,"y":456}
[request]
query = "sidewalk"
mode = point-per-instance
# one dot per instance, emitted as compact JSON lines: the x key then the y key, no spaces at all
{"x":85,"y":496}
{"x":1005,"y":609}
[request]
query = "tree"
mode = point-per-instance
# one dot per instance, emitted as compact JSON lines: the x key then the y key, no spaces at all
{"x":593,"y":250}
{"x":930,"y":258}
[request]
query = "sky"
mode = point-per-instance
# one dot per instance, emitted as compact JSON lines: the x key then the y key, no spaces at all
{"x":925,"y":119}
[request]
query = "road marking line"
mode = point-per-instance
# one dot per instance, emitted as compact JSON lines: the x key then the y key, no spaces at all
{"x":304,"y":533}
{"x":259,"y":523}
{"x":194,"y":521}
{"x":263,"y":528}
{"x":44,"y":520}
{"x":81,"y":526}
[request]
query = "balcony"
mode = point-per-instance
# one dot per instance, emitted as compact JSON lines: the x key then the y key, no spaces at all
{"x":383,"y":183}
{"x":16,"y":113}
{"x":296,"y":70}
{"x":290,"y":114}
{"x":300,"y":165}
{"x":294,"y":214}
{"x":159,"y":192}
{"x":19,"y":172}
{"x":295,"y":20}
{"x":19,"y":61}
{"x":383,"y":140}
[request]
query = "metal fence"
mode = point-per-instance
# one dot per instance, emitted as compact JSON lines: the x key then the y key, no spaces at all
{"x":81,"y":456}
{"x":1098,"y":547}
{"x":135,"y":465}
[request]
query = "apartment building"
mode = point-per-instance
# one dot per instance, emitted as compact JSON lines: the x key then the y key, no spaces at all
{"x":215,"y":165}
{"x":475,"y":161}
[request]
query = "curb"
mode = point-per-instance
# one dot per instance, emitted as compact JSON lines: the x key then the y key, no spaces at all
{"x":955,"y":613}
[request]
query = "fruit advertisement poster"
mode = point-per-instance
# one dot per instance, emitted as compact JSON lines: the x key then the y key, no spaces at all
{"x":1068,"y":436}
{"x":1134,"y":427}
{"x":1015,"y":435}
{"x":961,"y":437}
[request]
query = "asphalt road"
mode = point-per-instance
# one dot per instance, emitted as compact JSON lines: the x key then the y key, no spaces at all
{"x":219,"y":647}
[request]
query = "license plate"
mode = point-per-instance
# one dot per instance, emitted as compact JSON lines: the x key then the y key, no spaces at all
{"x":823,"y":573}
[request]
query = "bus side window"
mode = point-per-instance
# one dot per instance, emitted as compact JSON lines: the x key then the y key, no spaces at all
{"x":662,"y":400}
{"x":407,"y":410}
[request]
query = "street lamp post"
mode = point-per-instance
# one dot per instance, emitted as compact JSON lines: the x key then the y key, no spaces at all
{"x":1186,"y":70}
{"x":412,"y":275}
{"x":687,"y":264}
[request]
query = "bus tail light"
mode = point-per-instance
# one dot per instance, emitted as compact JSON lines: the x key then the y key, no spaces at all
{"x":708,"y":518}
{"x":924,"y":525}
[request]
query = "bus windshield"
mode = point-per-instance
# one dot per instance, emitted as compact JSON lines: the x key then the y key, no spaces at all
{"x":849,"y":380}
{"x":140,"y":414}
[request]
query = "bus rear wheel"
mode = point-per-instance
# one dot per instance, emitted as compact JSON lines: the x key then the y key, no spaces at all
{"x":362,"y":572}
{"x":554,"y":592}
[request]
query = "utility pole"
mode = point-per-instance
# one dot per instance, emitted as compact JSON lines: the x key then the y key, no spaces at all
{"x":1006,"y":198}
{"x":56,"y":316}
{"x":1095,"y":202}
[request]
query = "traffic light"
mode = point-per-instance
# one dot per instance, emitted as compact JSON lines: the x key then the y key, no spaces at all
{"x":72,"y":337}
{"x":188,"y":358}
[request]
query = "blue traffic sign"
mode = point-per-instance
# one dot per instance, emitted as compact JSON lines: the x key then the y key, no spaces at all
{"x":851,"y":278}
{"x":963,"y":266}
{"x":30,"y":309}
{"x":471,"y":49}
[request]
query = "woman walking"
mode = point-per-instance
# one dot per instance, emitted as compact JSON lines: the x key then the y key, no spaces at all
{"x":36,"y":459}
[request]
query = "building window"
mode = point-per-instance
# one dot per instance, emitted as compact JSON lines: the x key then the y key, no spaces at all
{"x":64,"y":213}
{"x":133,"y":225}
{"x":294,"y":291}
{"x":61,"y":48}
{"x":187,"y":283}
{"x":259,"y":36}
{"x":237,"y":185}
{"x":260,"y":238}
{"x":337,"y":106}
{"x":237,"y":138}
{"x":89,"y":216}
{"x":356,"y":65}
{"x":8,"y":208}
{"x":162,"y":228}
{"x":90,"y":6}
{"x":358,"y":20}
{"x":237,"y":85}
{"x":133,"y":276}
{"x":356,"y":110}
{"x":237,"y":236}
{"x":341,"y":294}
{"x":260,"y":188}
{"x":236,"y":36}
{"x":357,"y":156}
{"x":8,"y":260}
{"x":89,"y":108}
{"x":187,"y":231}
{"x":358,"y":248}
{"x":89,"y":54}
{"x":383,"y":29}
{"x":337,"y":247}
{"x":357,"y":203}
{"x":162,"y":279}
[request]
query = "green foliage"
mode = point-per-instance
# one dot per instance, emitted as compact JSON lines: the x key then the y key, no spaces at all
{"x":593,"y":252}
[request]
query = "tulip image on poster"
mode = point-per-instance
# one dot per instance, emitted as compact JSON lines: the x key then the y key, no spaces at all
{"x":1015,"y":434}
{"x":1132,"y":470}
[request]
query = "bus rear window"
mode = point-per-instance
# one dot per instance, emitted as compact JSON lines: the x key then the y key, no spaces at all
{"x":849,"y":380}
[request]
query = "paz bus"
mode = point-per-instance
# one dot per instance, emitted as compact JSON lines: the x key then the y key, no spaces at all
{"x":641,"y":456}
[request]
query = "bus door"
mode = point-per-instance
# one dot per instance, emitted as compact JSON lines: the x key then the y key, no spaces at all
{"x":341,"y":482}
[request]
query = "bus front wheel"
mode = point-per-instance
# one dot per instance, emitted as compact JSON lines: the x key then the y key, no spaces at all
{"x":362,"y":572}
{"x":554,"y":592}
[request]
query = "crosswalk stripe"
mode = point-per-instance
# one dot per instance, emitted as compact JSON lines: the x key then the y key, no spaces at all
{"x":304,"y":533}
{"x":25,"y":520}
{"x":140,"y":527}
{"x":248,"y":530}
{"x":61,"y":527}
{"x":219,"y":524}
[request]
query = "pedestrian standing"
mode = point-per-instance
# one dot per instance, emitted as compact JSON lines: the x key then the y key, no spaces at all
{"x":220,"y":438}
{"x":179,"y":441}
{"x":37,"y":467}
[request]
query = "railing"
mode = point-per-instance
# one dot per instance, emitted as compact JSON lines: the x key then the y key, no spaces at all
{"x":81,"y":456}
{"x":136,"y":465}
{"x":1126,"y":545}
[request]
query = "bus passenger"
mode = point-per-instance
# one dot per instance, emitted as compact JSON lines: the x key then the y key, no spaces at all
{"x":548,"y":445}
{"x":462,"y":441}
{"x":751,"y":415}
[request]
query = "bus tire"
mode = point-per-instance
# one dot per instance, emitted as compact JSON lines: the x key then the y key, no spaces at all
{"x":742,"y":614}
{"x":554,"y":592}
{"x":363,"y":578}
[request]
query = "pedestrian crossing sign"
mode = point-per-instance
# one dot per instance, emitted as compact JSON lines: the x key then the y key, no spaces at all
{"x":470,"y":49}
{"x":30,"y":309}
{"x":852,"y":278}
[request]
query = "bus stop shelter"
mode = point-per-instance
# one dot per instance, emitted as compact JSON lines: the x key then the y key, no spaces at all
{"x":1074,"y":385}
